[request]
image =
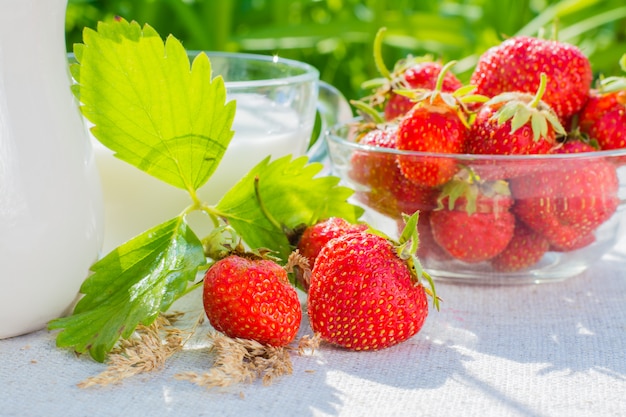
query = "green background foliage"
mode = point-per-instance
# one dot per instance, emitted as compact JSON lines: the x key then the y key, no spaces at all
{"x":336,"y":36}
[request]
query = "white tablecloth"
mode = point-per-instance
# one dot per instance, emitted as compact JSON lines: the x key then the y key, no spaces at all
{"x":539,"y":350}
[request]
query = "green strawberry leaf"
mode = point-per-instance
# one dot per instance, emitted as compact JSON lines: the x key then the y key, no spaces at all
{"x":131,"y":285}
{"x":275,"y":197}
{"x":149,"y":106}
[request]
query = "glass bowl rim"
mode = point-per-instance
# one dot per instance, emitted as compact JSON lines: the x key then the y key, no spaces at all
{"x":332,"y":135}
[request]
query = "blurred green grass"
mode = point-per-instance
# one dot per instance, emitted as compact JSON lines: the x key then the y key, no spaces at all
{"x":336,"y":36}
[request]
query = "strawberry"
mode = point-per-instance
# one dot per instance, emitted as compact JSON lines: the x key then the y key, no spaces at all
{"x":515,"y":124}
{"x":365,"y":294}
{"x":373,"y":168}
{"x":516,"y":63}
{"x":420,"y":75}
{"x":474,"y":223}
{"x":604,"y":119}
{"x":315,"y":237}
{"x":584,"y":241}
{"x":575,"y":144}
{"x":410,"y":73}
{"x":525,"y":249}
{"x":251,"y":299}
{"x":437,"y":123}
{"x":568,"y":202}
{"x":389,"y":191}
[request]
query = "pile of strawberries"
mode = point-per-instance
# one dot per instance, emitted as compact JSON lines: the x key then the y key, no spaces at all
{"x":364,"y":291}
{"x":453,"y":200}
{"x":495,"y":200}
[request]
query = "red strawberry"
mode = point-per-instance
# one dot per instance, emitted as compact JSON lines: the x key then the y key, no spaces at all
{"x":372,"y":168}
{"x":569,"y":202}
{"x":315,"y":237}
{"x":411,"y":73}
{"x":525,"y":249}
{"x":514,"y":124}
{"x":584,"y":241}
{"x":604,"y":119}
{"x":515,"y":65}
{"x":435,"y":124}
{"x":573,"y":145}
{"x":389,"y":191}
{"x":474,"y":223}
{"x":420,"y":75}
{"x":251,"y":299}
{"x":363,"y":295}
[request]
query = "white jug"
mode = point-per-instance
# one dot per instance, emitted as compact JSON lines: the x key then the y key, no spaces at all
{"x":50,"y":197}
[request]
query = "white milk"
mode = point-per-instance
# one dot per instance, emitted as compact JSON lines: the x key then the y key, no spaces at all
{"x":136,"y":201}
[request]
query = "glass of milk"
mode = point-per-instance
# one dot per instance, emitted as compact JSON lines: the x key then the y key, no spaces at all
{"x":277,"y":100}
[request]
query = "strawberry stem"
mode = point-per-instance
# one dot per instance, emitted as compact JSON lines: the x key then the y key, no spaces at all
{"x":442,"y":74}
{"x":440,"y":78}
{"x":378,"y":54}
{"x":367,"y":111}
{"x":543,"y":82}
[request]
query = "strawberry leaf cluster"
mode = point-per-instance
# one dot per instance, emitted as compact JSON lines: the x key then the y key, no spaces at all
{"x":170,"y":118}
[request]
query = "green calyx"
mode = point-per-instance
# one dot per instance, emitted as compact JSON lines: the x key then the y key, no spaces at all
{"x":406,"y":249}
{"x":521,"y":109}
{"x":469,"y":186}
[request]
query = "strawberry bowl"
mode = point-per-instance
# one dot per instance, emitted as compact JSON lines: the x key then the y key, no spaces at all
{"x":489,"y":219}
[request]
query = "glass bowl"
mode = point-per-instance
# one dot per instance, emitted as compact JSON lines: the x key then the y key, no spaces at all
{"x":584,"y":192}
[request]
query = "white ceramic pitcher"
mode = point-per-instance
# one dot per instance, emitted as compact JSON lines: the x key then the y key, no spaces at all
{"x":50,"y":197}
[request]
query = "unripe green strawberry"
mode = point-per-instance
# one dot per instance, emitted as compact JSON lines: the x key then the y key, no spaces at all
{"x":252,"y":299}
{"x":363,"y":296}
